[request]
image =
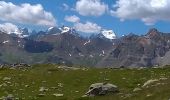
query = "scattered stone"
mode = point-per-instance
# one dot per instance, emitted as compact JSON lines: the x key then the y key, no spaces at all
{"x":60,"y":84}
{"x":53,"y":87}
{"x":68,"y":68}
{"x":26,"y":85}
{"x":3,"y":85}
{"x":2,"y":98}
{"x":139,"y":84}
{"x":101,"y":89}
{"x":163,"y":78}
{"x":20,"y":65}
{"x":58,"y":95}
{"x":136,"y":89}
{"x":159,"y":84}
{"x":148,"y":95}
{"x":84,"y":69}
{"x":149,"y":82}
{"x":9,"y":97}
{"x":76,"y":91}
{"x":127,"y":95}
{"x":84,"y":96}
{"x":43,"y":89}
{"x":44,"y":81}
{"x":21,"y":89}
{"x":6,"y":78}
{"x":16,"y":98}
{"x":8,"y":82}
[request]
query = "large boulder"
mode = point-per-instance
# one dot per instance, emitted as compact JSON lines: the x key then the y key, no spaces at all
{"x":101,"y":89}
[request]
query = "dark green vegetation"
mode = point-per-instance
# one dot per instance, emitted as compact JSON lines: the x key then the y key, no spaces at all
{"x":74,"y":82}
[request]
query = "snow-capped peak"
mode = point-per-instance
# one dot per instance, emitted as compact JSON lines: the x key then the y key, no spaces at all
{"x":65,"y":29}
{"x":12,"y":29}
{"x":20,"y":32}
{"x":61,"y":30}
{"x":109,"y":34}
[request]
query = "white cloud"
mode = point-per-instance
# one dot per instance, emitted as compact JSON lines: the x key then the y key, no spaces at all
{"x":8,"y":28}
{"x":65,"y":6}
{"x":87,"y":27}
{"x":91,"y":7}
{"x":26,"y":13}
{"x":72,"y":19}
{"x":149,"y":11}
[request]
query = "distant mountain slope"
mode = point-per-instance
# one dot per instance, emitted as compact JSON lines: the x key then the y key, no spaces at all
{"x":139,"y":51}
{"x":65,"y":46}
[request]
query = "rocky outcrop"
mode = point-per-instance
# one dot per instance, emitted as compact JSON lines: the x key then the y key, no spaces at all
{"x":101,"y":89}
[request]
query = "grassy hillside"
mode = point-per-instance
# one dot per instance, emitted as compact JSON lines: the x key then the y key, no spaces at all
{"x":26,"y":84}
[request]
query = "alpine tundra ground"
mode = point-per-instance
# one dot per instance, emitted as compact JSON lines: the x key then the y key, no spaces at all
{"x":54,"y":82}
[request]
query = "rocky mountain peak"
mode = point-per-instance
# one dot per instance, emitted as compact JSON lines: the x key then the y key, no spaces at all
{"x":105,"y":34}
{"x":153,"y":32}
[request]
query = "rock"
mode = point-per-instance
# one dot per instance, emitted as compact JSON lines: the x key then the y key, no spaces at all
{"x":43,"y":89}
{"x":163,"y":78}
{"x":60,"y":84}
{"x":9,"y":97}
{"x":136,"y":89}
{"x":17,"y":99}
{"x":101,"y":89}
{"x":26,"y":85}
{"x":8,"y":82}
{"x":84,"y":96}
{"x":2,"y":98}
{"x":53,"y":87}
{"x":127,"y":96}
{"x":68,"y":68}
{"x":148,"y":95}
{"x":58,"y":95}
{"x":149,"y":82}
{"x":3,"y":85}
{"x":84,"y":69}
{"x":76,"y":91}
{"x":6,"y":78}
{"x":20,"y":65}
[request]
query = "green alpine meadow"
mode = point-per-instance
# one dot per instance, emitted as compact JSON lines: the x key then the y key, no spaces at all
{"x":57,"y":82}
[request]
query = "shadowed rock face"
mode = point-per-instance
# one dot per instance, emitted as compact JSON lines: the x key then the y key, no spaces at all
{"x":37,"y":47}
{"x":129,"y":51}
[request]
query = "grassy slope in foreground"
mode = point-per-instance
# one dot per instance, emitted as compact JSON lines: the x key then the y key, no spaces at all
{"x":25,"y":84}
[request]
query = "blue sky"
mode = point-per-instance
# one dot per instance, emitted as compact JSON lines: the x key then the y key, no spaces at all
{"x":135,"y":19}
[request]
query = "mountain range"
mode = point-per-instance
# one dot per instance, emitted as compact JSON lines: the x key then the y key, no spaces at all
{"x":65,"y":45}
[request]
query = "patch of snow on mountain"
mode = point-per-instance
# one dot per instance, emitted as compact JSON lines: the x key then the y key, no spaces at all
{"x":65,"y":29}
{"x":6,"y":41}
{"x":103,"y":52}
{"x":109,"y":34}
{"x":50,"y":28}
{"x":87,"y":42}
